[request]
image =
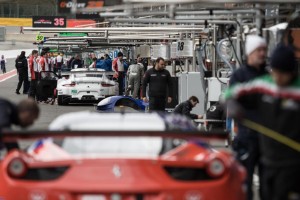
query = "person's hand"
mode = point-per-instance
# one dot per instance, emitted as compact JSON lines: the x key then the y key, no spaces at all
{"x":145,"y":99}
{"x":116,"y":75}
{"x":29,"y":79}
{"x":169,"y":99}
{"x":200,"y":116}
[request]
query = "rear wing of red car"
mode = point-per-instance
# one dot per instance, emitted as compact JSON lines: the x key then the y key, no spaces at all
{"x":9,"y":135}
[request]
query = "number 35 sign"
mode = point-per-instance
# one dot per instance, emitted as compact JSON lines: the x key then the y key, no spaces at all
{"x":49,"y":21}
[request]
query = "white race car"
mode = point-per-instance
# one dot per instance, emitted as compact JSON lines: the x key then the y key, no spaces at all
{"x":85,"y":85}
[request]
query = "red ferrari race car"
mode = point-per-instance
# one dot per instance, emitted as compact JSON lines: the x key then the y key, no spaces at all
{"x":166,"y":160}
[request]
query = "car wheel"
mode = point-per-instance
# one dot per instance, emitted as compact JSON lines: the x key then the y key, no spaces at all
{"x":61,"y":100}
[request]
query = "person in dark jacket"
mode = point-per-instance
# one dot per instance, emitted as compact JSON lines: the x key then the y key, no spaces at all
{"x":246,"y":142}
{"x":69,"y":63}
{"x":22,"y":68}
{"x":276,"y":98}
{"x":76,"y":63}
{"x":218,"y":113}
{"x":160,"y":86}
{"x":186,"y":107}
{"x":24,"y":114}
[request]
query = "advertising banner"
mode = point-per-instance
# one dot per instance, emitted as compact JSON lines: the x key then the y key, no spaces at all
{"x":49,"y":21}
{"x":65,"y":6}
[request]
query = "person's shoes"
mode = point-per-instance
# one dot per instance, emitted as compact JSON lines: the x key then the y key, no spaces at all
{"x":52,"y":102}
{"x":47,"y":101}
{"x":25,"y":92}
{"x":17,"y":92}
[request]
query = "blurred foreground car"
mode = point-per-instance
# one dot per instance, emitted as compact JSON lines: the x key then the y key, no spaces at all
{"x":85,"y":85}
{"x":119,"y":103}
{"x":138,"y":157}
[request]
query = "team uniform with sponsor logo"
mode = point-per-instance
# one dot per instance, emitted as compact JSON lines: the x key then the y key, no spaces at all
{"x":118,"y":67}
{"x":185,"y":108}
{"x":135,"y":74}
{"x":160,"y":85}
{"x":33,"y":76}
{"x":279,"y":108}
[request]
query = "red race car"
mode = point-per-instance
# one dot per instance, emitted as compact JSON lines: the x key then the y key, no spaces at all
{"x":120,"y":165}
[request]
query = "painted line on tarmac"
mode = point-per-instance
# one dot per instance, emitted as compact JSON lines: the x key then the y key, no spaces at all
{"x":8,"y":75}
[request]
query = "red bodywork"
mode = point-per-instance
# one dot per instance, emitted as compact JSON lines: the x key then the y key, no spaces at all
{"x":128,"y":179}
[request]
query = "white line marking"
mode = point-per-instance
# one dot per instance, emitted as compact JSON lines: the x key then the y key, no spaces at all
{"x":10,"y":76}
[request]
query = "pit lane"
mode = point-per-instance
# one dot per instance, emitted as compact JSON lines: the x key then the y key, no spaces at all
{"x":47,"y":112}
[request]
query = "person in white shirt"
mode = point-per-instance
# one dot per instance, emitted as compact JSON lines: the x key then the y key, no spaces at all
{"x":59,"y":62}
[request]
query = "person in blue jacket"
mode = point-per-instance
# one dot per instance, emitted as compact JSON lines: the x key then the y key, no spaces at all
{"x":105,"y":63}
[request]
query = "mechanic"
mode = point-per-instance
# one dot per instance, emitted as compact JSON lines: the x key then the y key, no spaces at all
{"x":246,"y":142}
{"x":104,"y":63}
{"x":135,"y":73}
{"x":22,"y":69}
{"x":43,"y":62}
{"x":276,"y":98}
{"x":24,"y":114}
{"x":93,"y":64}
{"x":76,"y":62}
{"x":58,"y":62}
{"x":69,"y":62}
{"x":216,"y":112}
{"x":33,"y":74}
{"x":118,"y":68}
{"x":47,"y":62}
{"x":139,"y":61}
{"x":186,"y":107}
{"x":159,"y":80}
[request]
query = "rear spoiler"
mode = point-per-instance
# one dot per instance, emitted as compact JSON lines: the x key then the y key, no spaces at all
{"x":88,"y":71}
{"x":10,"y":135}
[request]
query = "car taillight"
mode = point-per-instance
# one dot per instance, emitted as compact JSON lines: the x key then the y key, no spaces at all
{"x":216,"y":167}
{"x":17,"y":168}
{"x":103,"y":84}
{"x":70,"y":85}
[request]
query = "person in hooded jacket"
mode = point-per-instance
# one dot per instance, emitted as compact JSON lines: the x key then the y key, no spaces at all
{"x":246,"y":144}
{"x":22,"y":69}
{"x":275,"y":98}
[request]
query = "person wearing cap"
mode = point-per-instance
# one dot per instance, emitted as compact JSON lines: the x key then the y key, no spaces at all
{"x":276,"y":99}
{"x":245,"y":143}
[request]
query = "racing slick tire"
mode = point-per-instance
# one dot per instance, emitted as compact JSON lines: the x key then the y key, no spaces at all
{"x":62,"y":100}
